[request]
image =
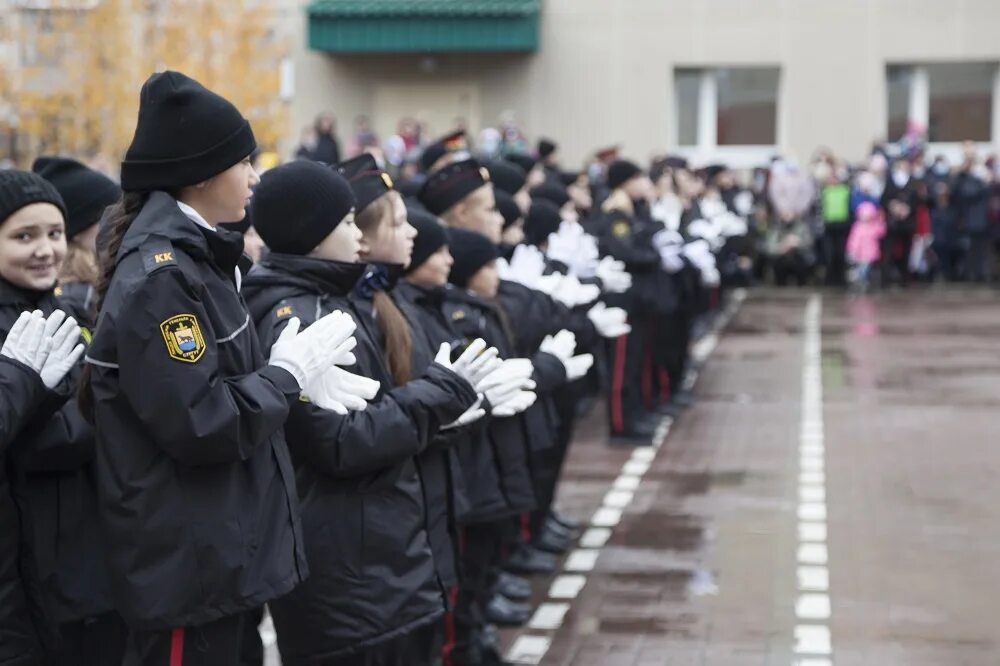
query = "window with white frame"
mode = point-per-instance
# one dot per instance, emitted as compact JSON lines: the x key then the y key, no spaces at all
{"x":732,"y":106}
{"x":955,"y":101}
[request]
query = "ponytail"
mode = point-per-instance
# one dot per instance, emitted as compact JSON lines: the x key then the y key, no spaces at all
{"x":117,"y":219}
{"x":391,"y":322}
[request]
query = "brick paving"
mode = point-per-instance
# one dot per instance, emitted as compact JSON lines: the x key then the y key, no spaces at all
{"x":701,"y":569}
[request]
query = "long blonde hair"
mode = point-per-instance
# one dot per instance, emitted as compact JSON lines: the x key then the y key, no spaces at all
{"x":80,"y":265}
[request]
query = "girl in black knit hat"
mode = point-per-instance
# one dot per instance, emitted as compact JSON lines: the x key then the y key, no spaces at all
{"x":375,"y":524}
{"x":196,"y":487}
{"x":56,"y":603}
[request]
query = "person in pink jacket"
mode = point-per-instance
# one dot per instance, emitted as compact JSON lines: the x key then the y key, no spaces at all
{"x":864,"y":244}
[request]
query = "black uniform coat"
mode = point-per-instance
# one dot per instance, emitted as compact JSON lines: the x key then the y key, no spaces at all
{"x":78,"y":299}
{"x":373,"y":577}
{"x":474,"y":317}
{"x":196,"y":487}
{"x":22,"y":397}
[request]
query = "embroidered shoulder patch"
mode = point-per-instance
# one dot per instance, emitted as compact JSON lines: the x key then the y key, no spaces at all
{"x":86,"y":335}
{"x":183,"y":337}
{"x":621,"y":229}
{"x":458,"y":314}
{"x":284,"y":311}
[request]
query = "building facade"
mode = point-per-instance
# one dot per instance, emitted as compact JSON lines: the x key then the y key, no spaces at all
{"x":714,"y":79}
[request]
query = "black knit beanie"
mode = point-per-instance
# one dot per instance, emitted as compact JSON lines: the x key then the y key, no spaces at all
{"x":507,"y":176}
{"x":431,"y":237}
{"x":86,"y":192}
{"x":23,"y":188}
{"x":620,"y":172}
{"x":523,"y":160}
{"x":543,"y":219}
{"x":508,"y":208}
{"x":552,"y":193}
{"x":471,"y":252}
{"x":297,"y":205}
{"x":185,"y":135}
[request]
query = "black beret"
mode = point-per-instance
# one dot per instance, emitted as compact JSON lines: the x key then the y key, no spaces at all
{"x":446,"y":187}
{"x":622,"y":171}
{"x":552,"y":193}
{"x":366,"y":179}
{"x":523,"y":160}
{"x":507,"y":176}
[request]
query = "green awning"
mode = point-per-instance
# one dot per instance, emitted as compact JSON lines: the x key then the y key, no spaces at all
{"x":414,"y":26}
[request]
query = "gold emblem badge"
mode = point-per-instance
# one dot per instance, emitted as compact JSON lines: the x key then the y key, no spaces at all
{"x":86,"y":335}
{"x":183,"y":337}
{"x":387,"y":180}
{"x":621,"y":229}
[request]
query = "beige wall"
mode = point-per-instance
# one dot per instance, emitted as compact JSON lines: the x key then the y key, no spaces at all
{"x":604,"y":72}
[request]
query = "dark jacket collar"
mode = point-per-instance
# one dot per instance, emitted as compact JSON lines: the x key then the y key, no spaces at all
{"x":162,"y":218}
{"x":378,"y":277}
{"x":315,"y":275}
{"x":27,"y":298}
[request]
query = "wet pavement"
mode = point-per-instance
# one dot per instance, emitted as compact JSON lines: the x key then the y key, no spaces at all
{"x":830,"y":499}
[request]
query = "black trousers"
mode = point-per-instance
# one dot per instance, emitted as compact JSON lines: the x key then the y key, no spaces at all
{"x":98,"y":641}
{"x":420,"y":647}
{"x":217,"y":643}
{"x":482,"y":549}
{"x":625,"y":393}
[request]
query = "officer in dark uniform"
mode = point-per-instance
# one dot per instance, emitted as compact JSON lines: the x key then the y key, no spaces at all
{"x":196,"y":488}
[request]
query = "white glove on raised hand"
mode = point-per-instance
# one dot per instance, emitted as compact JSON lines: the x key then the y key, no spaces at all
{"x":516,"y":404}
{"x":341,"y":391}
{"x":613,"y":275}
{"x":512,"y":376}
{"x":666,"y":237}
{"x":547,"y":284}
{"x":561,"y":345}
{"x":26,"y":340}
{"x":609,"y":322}
{"x":571,"y":293}
{"x":578,"y":366}
{"x":671,"y":259}
{"x":64,"y":351}
{"x":471,"y":415}
{"x":315,"y":350}
{"x":527,"y":264}
{"x":475,"y":363}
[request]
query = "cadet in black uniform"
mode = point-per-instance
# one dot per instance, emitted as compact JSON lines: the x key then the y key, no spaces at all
{"x":87,"y":194}
{"x":51,"y":564}
{"x":196,"y":488}
{"x":374,"y":595}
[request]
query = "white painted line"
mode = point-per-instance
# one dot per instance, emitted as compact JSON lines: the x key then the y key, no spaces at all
{"x":549,"y":616}
{"x":635,"y":467}
{"x":812,"y":449}
{"x":812,"y":477}
{"x":618,"y":499}
{"x":812,"y":639}
{"x":626,"y":482}
{"x":595,"y":537}
{"x":581,"y":560}
{"x":811,"y":464}
{"x":529,"y":649}
{"x":812,"y":532}
{"x":812,"y":493}
{"x":813,"y":606}
{"x":644,"y":454}
{"x":606,"y":517}
{"x":812,"y":511}
{"x":812,"y":553}
{"x":567,"y":586}
{"x":814,"y":579}
{"x":810,"y":661}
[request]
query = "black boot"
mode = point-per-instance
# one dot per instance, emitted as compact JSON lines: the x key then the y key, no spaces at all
{"x":506,"y":613}
{"x":529,"y":560}
{"x":513,"y":587}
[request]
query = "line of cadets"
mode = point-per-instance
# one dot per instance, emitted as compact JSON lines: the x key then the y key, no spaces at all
{"x":364,"y":432}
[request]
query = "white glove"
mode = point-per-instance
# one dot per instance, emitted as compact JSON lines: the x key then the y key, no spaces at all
{"x":26,"y":340}
{"x":731,"y":226}
{"x":471,"y":415}
{"x":561,"y":345}
{"x":571,"y":293}
{"x":519,"y":402}
{"x":341,"y":391}
{"x":512,"y":376}
{"x":710,"y":277}
{"x":475,"y":363}
{"x":609,"y":322}
{"x":315,"y":350}
{"x":547,"y":284}
{"x":64,"y":351}
{"x":665,"y":238}
{"x":527,"y":264}
{"x":613,"y":275}
{"x":670,"y":258}
{"x":578,"y":366}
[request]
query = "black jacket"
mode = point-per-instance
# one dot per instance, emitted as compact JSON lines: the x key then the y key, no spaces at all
{"x":473,"y":317}
{"x":78,"y":300}
{"x":22,"y":396}
{"x":373,"y":577}
{"x":628,"y":239}
{"x":196,"y":487}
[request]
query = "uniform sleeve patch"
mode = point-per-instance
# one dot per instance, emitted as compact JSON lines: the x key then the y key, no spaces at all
{"x":157,"y":253}
{"x":284,"y":312}
{"x":86,"y":335}
{"x":183,"y":338}
{"x":621,"y":229}
{"x":457,"y":315}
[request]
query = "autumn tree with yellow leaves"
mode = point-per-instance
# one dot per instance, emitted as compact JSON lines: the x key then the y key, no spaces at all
{"x":75,"y":89}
